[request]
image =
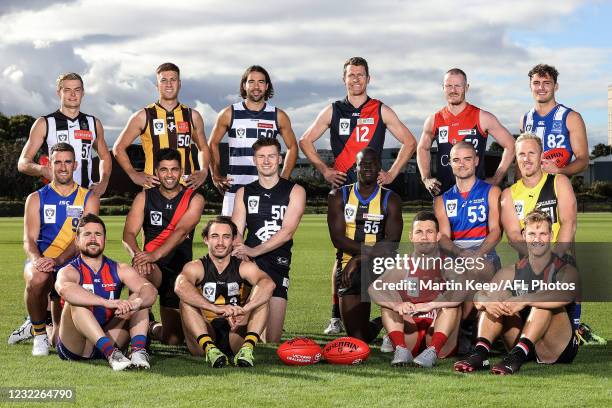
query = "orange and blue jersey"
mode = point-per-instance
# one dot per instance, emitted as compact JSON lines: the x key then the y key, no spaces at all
{"x":468,"y":214}
{"x":104,"y":283}
{"x":59,"y":217}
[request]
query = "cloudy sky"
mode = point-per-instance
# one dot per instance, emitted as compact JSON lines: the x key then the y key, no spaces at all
{"x":409,"y":45}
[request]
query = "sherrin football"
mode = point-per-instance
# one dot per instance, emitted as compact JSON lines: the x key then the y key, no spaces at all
{"x":299,"y":351}
{"x":346,"y":350}
{"x":560,"y":156}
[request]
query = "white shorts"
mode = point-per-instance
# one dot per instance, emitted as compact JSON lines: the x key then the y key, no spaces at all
{"x":228,"y":204}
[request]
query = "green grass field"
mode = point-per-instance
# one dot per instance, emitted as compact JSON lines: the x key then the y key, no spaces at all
{"x":177,"y":379}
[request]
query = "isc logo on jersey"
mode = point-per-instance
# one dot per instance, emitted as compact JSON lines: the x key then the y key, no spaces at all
{"x":451,"y":208}
{"x":156,"y":218}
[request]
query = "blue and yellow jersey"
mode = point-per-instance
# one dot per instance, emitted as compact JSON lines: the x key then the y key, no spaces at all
{"x":59,"y":217}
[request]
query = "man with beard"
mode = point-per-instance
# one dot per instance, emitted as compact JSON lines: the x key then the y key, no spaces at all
{"x":96,"y":322}
{"x":245,"y":122}
{"x":224,"y":301}
{"x":270,"y":208}
{"x":165,"y":124}
{"x":365,"y":221}
{"x":354,"y":123}
{"x":50,"y":219}
{"x":533,"y":322}
{"x":457,"y":121}
{"x":167,"y":214}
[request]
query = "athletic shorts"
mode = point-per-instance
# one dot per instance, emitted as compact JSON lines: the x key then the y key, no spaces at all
{"x":354,"y":287}
{"x":65,"y":354}
{"x":278,"y":273}
{"x":569,"y":353}
{"x":170,"y":268}
{"x":423,"y":322}
{"x":228,"y":204}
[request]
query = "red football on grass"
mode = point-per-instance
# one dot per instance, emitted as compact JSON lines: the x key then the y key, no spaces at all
{"x":346,"y":350}
{"x":559,"y":155}
{"x":299,"y":351}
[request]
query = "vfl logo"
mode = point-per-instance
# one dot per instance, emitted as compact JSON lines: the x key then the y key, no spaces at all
{"x":241,"y":132}
{"x":49,"y":214}
{"x":451,"y":208}
{"x":519,"y":207}
{"x":159,"y":126}
{"x":253,"y":204}
{"x":270,"y":228}
{"x":209,"y":290}
{"x":156,"y":218}
{"x":528,"y":128}
{"x":443,"y":134}
{"x":350,"y":212}
{"x":344,"y":127}
{"x":62,"y":136}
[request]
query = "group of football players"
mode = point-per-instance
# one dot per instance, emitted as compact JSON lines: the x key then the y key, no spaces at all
{"x":223,"y":304}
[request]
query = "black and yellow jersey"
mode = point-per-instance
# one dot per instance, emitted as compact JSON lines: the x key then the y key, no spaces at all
{"x":173,"y":129}
{"x":364,"y":217}
{"x":542,"y":196}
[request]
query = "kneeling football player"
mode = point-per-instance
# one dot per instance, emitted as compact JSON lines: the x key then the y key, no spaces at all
{"x":420,"y":317}
{"x":533,"y":323}
{"x":95,"y":321}
{"x":223,"y":300}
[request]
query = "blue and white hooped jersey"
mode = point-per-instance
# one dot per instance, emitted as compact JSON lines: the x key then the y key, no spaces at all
{"x":551,"y":128}
{"x":468,"y":217}
{"x":246,"y":128}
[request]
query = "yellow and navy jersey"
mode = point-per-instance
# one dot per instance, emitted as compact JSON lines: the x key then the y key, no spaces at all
{"x":173,"y":129}
{"x":364,"y":217}
{"x":223,"y":288}
{"x":59,"y":217}
{"x":542,"y":196}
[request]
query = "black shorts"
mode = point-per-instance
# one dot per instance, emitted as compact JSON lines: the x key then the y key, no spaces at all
{"x":170,"y":269}
{"x":278,"y":271}
{"x":354,"y":287}
{"x":569,"y":353}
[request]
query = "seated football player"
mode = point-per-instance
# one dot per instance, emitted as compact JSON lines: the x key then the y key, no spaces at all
{"x":95,"y":321}
{"x":223,"y":300}
{"x":365,"y":221}
{"x":531,"y":308}
{"x":418,"y":314}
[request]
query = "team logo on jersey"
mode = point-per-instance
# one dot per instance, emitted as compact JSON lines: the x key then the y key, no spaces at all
{"x":350,"y":212}
{"x":253,"y":204}
{"x":265,"y":233}
{"x":83,"y":135}
{"x":233,"y":289}
{"x":49,"y":212}
{"x":467,"y":132}
{"x":365,"y":121}
{"x":241,"y":132}
{"x":443,"y":134}
{"x":451,"y":208}
{"x":556,"y":126}
{"x":519,"y":207}
{"x":62,"y":136}
{"x":183,"y":127}
{"x":171,"y":126}
{"x":209,"y":291}
{"x":159,"y":126}
{"x":344,"y":128}
{"x":74,"y":211}
{"x":156,"y":217}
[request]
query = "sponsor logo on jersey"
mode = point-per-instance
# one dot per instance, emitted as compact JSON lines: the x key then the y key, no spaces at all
{"x":519,"y":207}
{"x":74,"y":211}
{"x":83,"y":135}
{"x":365,"y":121}
{"x":467,"y":132}
{"x":49,"y":212}
{"x":265,"y":125}
{"x":156,"y":217}
{"x":109,"y":287}
{"x":443,"y":134}
{"x":253,"y":204}
{"x":267,"y":231}
{"x":451,"y":208}
{"x":241,"y":132}
{"x":209,"y":291}
{"x":62,"y":136}
{"x":233,"y":289}
{"x":183,"y":127}
{"x":373,"y":217}
{"x":282,"y":261}
{"x":344,"y":128}
{"x":556,"y":126}
{"x":350,"y":212}
{"x":159,"y":127}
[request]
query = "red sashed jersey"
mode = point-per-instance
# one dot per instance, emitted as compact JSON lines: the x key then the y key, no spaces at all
{"x":424,"y":281}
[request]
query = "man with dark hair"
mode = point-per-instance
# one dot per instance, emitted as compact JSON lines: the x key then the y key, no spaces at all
{"x":245,"y":122}
{"x":68,"y":125}
{"x":50,"y":219}
{"x":96,"y":322}
{"x":558,"y":126}
{"x":270,"y":208}
{"x":354,"y":123}
{"x":365,"y":221}
{"x":224,"y":301}
{"x":165,"y":123}
{"x":420,"y":321}
{"x":460,"y":121}
{"x":533,"y":322}
{"x":167,"y":215}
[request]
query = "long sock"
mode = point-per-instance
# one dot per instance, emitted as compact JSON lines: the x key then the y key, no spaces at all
{"x":576,"y":313}
{"x":205,"y":341}
{"x":483,"y":346}
{"x":397,"y":338}
{"x":523,"y":348}
{"x":438,"y":340}
{"x":251,"y":339}
{"x":335,"y":314}
{"x":139,"y":342}
{"x":105,"y":345}
{"x":39,"y":328}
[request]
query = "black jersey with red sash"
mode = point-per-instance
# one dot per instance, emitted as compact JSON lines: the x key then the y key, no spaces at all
{"x":160,"y":219}
{"x":105,"y":283}
{"x":353,"y":129}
